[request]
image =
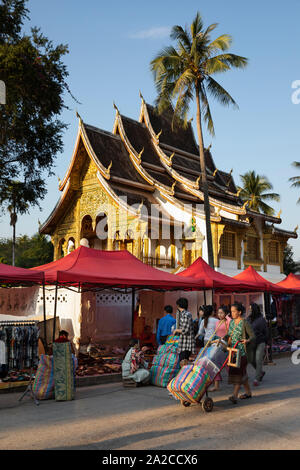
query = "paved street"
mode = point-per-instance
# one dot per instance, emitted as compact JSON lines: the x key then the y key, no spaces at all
{"x":110,"y":417}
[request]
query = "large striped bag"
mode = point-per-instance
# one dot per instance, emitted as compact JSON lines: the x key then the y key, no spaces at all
{"x":215,"y":353}
{"x":209,"y":366}
{"x":43,"y":386}
{"x":190,"y":384}
{"x":161,"y":376}
{"x":170,"y":345}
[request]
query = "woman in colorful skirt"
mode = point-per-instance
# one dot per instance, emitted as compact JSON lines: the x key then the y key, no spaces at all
{"x":134,"y":365}
{"x":240,"y":330}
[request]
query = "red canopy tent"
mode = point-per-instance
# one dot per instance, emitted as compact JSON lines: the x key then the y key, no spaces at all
{"x":257,"y":282}
{"x":12,"y":275}
{"x":212,"y":279}
{"x":86,"y":267}
{"x":292,"y":283}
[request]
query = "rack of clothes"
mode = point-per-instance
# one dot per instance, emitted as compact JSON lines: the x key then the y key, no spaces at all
{"x":19,"y":344}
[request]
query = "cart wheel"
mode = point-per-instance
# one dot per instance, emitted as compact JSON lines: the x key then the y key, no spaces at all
{"x":208,"y":404}
{"x":186,"y":403}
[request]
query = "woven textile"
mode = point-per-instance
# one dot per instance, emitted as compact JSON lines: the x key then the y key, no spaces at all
{"x":63,"y":372}
{"x":165,"y":364}
{"x":161,"y":376}
{"x":209,"y":366}
{"x":189,"y":384}
{"x":43,"y":386}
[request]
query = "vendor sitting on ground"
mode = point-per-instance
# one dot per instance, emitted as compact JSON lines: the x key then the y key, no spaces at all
{"x":134,"y":365}
{"x":63,"y":337}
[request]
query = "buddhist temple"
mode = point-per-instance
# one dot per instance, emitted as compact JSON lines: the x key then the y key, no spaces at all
{"x":139,"y":187}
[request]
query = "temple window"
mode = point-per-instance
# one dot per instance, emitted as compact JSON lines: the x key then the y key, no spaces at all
{"x":61,"y":253}
{"x":274,"y":252}
{"x":86,"y":227}
{"x":228,"y":245}
{"x":253,"y":251}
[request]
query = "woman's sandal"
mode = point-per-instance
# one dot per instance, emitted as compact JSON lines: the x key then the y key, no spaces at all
{"x":233,"y":400}
{"x":245,"y":396}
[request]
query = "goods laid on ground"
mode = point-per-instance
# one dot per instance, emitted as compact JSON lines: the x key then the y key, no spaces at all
{"x":165,"y":364}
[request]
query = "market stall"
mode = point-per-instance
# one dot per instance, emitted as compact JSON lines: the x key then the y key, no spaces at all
{"x":18,"y":338}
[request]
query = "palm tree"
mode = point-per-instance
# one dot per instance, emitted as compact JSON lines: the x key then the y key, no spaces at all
{"x":15,"y":197}
{"x":184,"y":73}
{"x":254,"y":192}
{"x":296,"y":179}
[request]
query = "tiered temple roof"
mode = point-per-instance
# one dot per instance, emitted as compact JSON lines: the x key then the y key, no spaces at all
{"x":147,"y":160}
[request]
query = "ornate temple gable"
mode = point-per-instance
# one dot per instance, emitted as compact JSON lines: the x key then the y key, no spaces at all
{"x":187,"y":184}
{"x":136,"y":159}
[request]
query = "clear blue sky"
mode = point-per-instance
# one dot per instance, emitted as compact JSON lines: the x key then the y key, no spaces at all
{"x":111,"y":45}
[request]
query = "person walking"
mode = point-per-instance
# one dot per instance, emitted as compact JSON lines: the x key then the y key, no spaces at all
{"x":260,"y":329}
{"x":208,"y":325}
{"x":164,"y":328}
{"x":240,"y":331}
{"x":186,"y":343}
{"x":221,"y":331}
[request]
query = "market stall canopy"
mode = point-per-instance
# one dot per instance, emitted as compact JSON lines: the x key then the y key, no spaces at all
{"x":258,"y":283}
{"x":87,"y":267}
{"x":291,"y":282}
{"x":202,"y":272}
{"x":13,"y":275}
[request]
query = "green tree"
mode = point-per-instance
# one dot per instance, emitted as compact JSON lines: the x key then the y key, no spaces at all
{"x":34,"y":75}
{"x":296,"y":179}
{"x":289,"y":264}
{"x":30,"y":251}
{"x":185,"y":73}
{"x":254,"y":191}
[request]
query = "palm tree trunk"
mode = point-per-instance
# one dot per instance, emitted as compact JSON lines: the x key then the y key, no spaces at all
{"x":14,"y":244}
{"x":204,"y":185}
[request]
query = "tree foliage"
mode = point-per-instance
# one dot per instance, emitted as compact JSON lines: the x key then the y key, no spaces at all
{"x":289,"y":264}
{"x":255,"y":191}
{"x":296,"y":179}
{"x":34,"y":75}
{"x":186,"y":70}
{"x":30,"y":251}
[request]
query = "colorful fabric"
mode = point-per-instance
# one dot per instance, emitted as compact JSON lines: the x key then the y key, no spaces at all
{"x":165,"y":364}
{"x":190,"y":384}
{"x":235,"y":332}
{"x":137,"y":360}
{"x":187,"y":337}
{"x":43,"y":386}
{"x":161,"y":376}
{"x":64,"y":386}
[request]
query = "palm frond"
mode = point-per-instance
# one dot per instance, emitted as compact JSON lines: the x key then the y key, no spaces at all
{"x":222,"y":43}
{"x":219,"y":93}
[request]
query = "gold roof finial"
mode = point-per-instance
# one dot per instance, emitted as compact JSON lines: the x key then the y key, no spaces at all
{"x":296,"y":228}
{"x":209,"y":147}
{"x":173,"y":187}
{"x":140,"y":154}
{"x":198,"y":181}
{"x":239,"y":192}
{"x":108,"y":169}
{"x":215,"y":172}
{"x":171,"y":158}
{"x":59,"y":180}
{"x":79,"y":117}
{"x":116,"y":107}
{"x":141,"y":96}
{"x":279,"y":214}
{"x":158,"y":135}
{"x":245,"y":204}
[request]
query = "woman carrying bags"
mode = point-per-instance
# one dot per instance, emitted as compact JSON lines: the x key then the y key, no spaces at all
{"x":241,"y":332}
{"x":221,"y":331}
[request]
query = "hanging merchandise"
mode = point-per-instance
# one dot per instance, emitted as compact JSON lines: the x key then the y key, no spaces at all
{"x":19,"y":345}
